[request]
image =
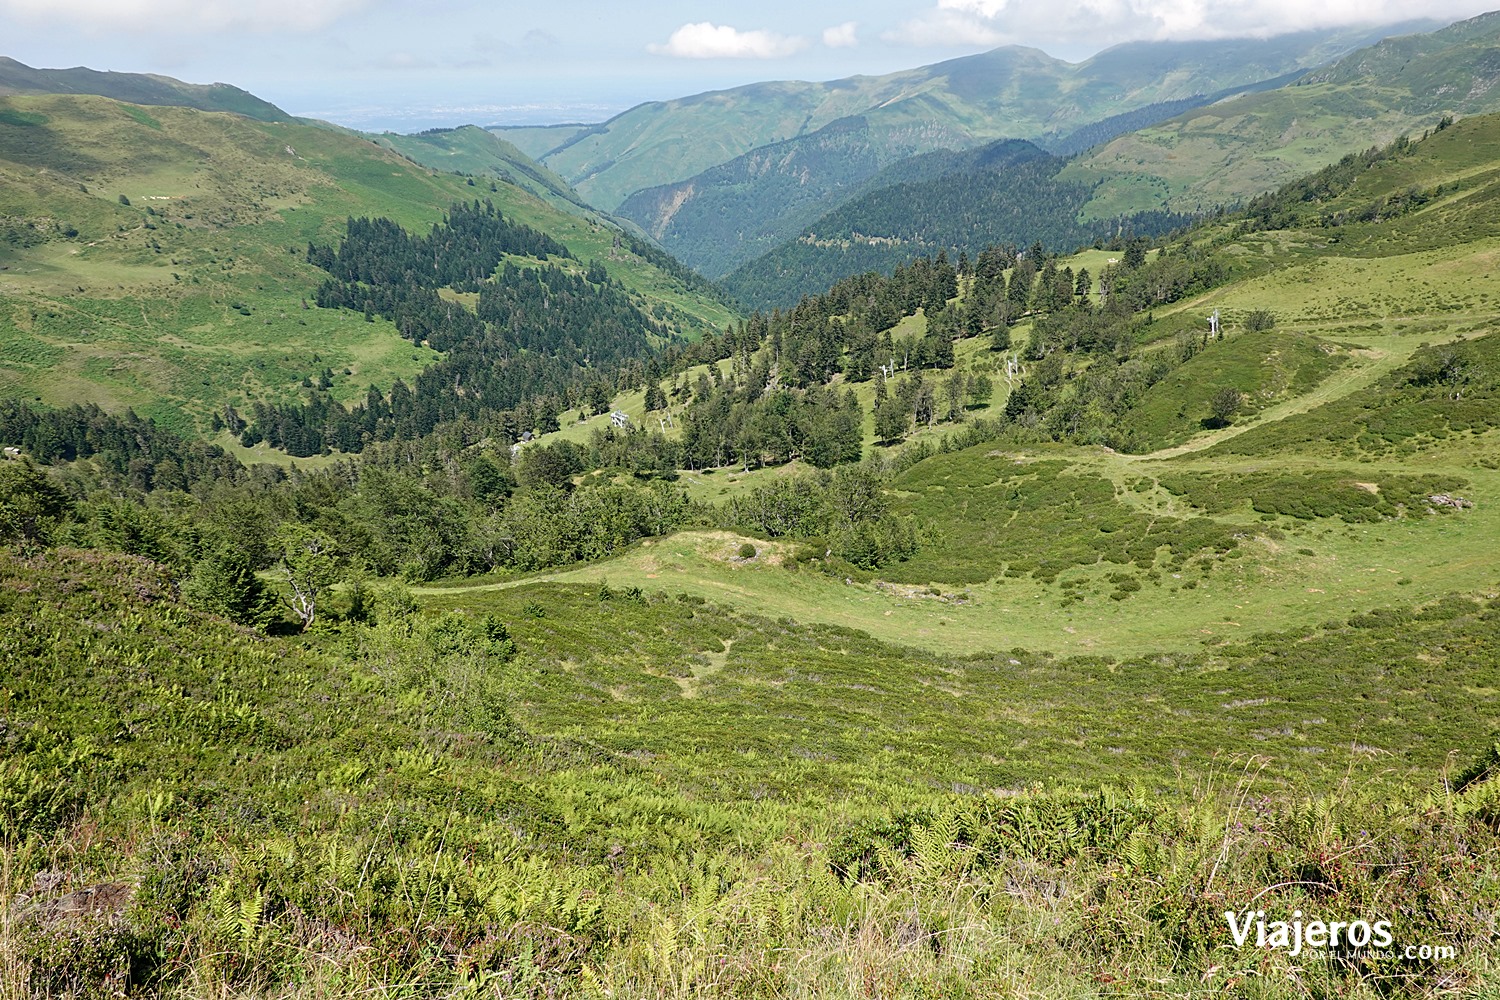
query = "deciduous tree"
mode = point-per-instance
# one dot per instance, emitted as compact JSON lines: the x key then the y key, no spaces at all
{"x":309,"y":563}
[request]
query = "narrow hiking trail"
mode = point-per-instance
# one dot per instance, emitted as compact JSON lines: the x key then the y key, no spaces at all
{"x":1368,"y":365}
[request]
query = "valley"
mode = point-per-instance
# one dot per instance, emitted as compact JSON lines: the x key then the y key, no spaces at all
{"x":415,"y":581}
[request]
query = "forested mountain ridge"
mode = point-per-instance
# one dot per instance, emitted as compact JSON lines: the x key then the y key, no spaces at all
{"x":720,"y":218}
{"x":729,"y":214}
{"x":1006,"y":93}
{"x":1146,"y":181}
{"x":1007,"y":192}
{"x":157,"y":257}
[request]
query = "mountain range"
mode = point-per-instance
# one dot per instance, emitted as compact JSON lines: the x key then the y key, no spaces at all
{"x":1241,"y":146}
{"x":723,"y":178}
{"x":1011,"y":92}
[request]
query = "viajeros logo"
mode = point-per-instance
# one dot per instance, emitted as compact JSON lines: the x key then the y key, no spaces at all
{"x":1294,"y":936}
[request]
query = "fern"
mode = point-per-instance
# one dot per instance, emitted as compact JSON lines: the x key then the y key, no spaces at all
{"x":1481,"y":768}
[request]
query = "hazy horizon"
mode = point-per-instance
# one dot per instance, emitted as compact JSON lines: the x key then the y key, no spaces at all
{"x":376,"y":64}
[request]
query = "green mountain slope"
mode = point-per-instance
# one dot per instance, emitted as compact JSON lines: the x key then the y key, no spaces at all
{"x":1009,"y":92}
{"x":473,"y":150}
{"x":135,"y":88}
{"x":477,"y":152}
{"x":157,"y":258}
{"x":1245,"y":145}
{"x":738,"y":210}
{"x":730,"y":214}
{"x":1007,"y":192}
{"x":536,"y":141}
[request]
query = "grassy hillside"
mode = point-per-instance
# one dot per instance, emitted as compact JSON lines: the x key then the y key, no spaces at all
{"x":155,"y":258}
{"x":1007,"y":93}
{"x":569,"y":792}
{"x":135,"y":88}
{"x":1078,"y":548}
{"x":473,"y":150}
{"x":537,"y":140}
{"x":1245,"y":145}
{"x":483,"y":154}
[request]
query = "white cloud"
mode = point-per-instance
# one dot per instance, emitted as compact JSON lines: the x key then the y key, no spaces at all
{"x":984,"y":8}
{"x":183,"y":16}
{"x":841,"y":36}
{"x":943,"y":27}
{"x":998,"y":22}
{"x":716,"y":41}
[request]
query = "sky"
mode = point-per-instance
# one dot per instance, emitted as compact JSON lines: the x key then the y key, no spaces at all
{"x":378,"y":64}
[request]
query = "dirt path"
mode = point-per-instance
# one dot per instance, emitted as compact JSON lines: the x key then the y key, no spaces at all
{"x":1368,"y":366}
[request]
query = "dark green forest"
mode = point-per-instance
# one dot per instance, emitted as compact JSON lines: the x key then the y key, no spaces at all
{"x":1003,"y":193}
{"x":534,"y":342}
